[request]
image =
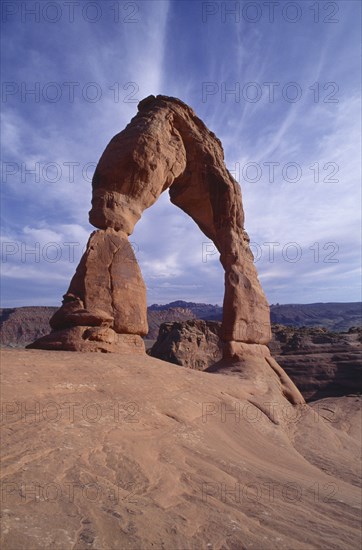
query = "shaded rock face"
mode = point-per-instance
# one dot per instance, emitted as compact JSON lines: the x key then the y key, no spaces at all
{"x":165,"y":146}
{"x":194,"y":344}
{"x":321,"y":363}
{"x":157,"y":317}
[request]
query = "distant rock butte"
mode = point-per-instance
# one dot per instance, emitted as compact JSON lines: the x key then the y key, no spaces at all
{"x":165,"y":146}
{"x":157,"y":317}
{"x":194,"y":344}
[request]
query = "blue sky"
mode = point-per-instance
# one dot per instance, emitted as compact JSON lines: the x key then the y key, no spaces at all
{"x":279,"y":84}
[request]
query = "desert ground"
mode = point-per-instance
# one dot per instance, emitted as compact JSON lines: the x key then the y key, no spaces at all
{"x":110,"y":452}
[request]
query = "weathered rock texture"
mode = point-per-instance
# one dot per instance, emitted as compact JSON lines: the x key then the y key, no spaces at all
{"x":129,"y":452}
{"x":165,"y":146}
{"x":170,"y":315}
{"x":195,"y":344}
{"x":103,"y":309}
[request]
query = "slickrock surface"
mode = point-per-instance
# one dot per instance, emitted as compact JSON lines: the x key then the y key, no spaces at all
{"x":108,"y":452}
{"x":165,"y":146}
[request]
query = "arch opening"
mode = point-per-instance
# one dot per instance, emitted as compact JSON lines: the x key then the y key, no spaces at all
{"x":178,"y":262}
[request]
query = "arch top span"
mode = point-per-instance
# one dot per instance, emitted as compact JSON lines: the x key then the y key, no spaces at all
{"x":164,"y":147}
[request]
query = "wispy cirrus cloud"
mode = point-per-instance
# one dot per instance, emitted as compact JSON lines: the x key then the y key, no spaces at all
{"x":172,"y":48}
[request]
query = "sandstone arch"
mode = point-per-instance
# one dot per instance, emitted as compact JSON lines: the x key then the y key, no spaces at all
{"x":165,"y":146}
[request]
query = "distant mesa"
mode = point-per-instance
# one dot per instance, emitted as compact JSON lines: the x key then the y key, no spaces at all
{"x":165,"y":146}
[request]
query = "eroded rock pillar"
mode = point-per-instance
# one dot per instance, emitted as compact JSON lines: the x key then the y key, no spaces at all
{"x":105,"y":307}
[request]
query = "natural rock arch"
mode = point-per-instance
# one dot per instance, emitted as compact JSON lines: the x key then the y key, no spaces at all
{"x":165,"y":146}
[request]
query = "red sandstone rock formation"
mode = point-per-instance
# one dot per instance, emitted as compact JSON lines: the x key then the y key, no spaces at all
{"x":165,"y":146}
{"x":195,"y":344}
